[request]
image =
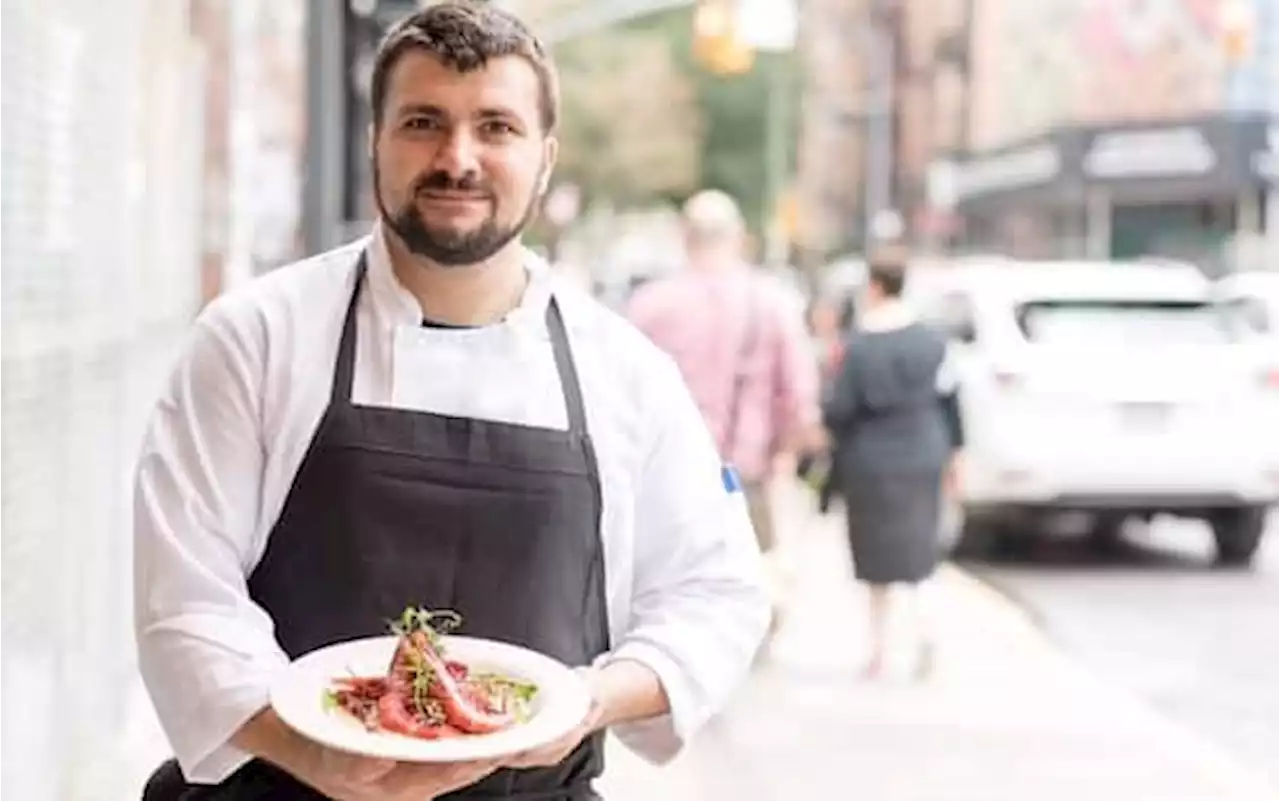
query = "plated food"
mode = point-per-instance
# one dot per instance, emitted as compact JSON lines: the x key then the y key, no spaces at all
{"x":425,"y":694}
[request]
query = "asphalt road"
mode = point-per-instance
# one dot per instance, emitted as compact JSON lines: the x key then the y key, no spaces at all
{"x":1202,"y":645}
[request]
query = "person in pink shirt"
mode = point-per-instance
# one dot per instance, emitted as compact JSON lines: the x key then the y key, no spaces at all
{"x":740,"y":343}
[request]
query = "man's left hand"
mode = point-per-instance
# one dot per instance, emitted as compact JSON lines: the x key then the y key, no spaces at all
{"x":554,"y":753}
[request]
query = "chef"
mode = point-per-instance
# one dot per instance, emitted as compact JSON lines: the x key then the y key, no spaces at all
{"x":424,"y":417}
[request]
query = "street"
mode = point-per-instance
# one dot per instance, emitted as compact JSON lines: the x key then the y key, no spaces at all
{"x":1200,"y":645}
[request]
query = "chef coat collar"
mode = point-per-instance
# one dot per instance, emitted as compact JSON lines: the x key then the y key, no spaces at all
{"x":397,"y":305}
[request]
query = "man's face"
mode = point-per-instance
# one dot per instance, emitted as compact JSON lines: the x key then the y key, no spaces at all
{"x":460,"y":159}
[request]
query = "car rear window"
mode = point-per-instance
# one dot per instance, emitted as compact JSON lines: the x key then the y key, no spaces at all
{"x":1122,"y":323}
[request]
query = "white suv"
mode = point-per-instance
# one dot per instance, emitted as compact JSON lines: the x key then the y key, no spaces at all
{"x":1112,"y":390}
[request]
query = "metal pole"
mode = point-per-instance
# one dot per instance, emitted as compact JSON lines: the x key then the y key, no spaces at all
{"x":878,"y":180}
{"x":775,"y":160}
{"x":322,"y":185}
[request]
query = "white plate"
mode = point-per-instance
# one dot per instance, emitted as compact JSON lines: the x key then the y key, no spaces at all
{"x":561,"y":703}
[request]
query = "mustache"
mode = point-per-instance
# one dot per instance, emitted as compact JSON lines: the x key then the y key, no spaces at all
{"x":440,"y":181}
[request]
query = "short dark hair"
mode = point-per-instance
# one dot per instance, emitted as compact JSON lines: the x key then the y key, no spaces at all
{"x":887,"y":269}
{"x":465,"y":35}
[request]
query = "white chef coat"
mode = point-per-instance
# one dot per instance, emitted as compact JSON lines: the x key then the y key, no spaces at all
{"x":684,"y":587}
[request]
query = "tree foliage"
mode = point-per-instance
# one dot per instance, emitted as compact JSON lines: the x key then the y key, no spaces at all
{"x":644,"y":123}
{"x":631,"y":126}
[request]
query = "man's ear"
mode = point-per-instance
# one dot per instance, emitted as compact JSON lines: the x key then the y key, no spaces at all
{"x":551,"y":149}
{"x":371,"y":140}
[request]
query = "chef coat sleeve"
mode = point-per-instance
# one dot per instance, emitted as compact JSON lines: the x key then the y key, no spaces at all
{"x":699,"y":608}
{"x":205,"y":650}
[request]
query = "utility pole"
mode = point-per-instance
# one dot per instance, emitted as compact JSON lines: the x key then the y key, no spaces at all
{"x":323,"y":179}
{"x":881,"y":220}
{"x":777,"y":111}
{"x":769,"y":27}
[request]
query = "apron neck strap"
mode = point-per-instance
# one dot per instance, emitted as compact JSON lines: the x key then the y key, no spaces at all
{"x":344,"y":371}
{"x":566,"y":368}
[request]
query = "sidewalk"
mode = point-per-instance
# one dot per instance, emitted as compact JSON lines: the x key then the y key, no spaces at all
{"x":1004,"y":717}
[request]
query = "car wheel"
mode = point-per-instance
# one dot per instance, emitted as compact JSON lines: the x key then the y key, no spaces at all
{"x":982,"y":538}
{"x":1106,"y":534}
{"x":1237,"y":532}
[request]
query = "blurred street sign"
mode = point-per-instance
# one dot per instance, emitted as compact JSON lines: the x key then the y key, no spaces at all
{"x":767,"y":25}
{"x":1161,"y":151}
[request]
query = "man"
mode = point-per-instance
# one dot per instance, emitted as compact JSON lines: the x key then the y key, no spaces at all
{"x":424,"y":418}
{"x":741,"y":347}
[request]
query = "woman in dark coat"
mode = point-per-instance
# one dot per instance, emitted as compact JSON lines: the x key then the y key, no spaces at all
{"x":895,"y":431}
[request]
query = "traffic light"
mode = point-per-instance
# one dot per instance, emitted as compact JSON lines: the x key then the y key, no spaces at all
{"x":1236,"y":24}
{"x":716,"y":43}
{"x":1237,"y":44}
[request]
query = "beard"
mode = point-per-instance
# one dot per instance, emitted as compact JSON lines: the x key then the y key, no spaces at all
{"x":451,"y":246}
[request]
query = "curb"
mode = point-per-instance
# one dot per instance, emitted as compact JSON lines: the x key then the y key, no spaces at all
{"x":1003,"y":604}
{"x":1006,"y":594}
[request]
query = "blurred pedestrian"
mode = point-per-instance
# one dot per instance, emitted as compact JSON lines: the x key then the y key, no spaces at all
{"x":891,"y":417}
{"x":826,"y":335}
{"x":741,"y":347}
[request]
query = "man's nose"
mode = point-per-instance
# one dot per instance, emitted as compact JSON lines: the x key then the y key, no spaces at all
{"x":458,"y":154}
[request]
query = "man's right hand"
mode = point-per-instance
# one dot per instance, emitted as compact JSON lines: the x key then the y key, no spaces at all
{"x":346,"y":777}
{"x":349,"y":777}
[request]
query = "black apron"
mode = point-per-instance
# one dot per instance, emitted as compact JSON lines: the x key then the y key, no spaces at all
{"x":389,"y":508}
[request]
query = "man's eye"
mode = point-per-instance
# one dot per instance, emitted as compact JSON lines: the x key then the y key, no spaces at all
{"x":498,"y":128}
{"x":421,"y":124}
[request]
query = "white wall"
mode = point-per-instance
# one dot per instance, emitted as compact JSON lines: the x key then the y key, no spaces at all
{"x":100,"y":186}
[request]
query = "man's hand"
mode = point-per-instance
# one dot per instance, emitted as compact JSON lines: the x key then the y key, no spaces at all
{"x":623,"y":690}
{"x":341,"y":776}
{"x":814,"y":439}
{"x":348,"y":777}
{"x":555,"y":752}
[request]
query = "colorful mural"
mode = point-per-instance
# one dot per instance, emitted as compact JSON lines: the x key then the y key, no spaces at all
{"x":1043,"y":64}
{"x":1149,"y":60}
